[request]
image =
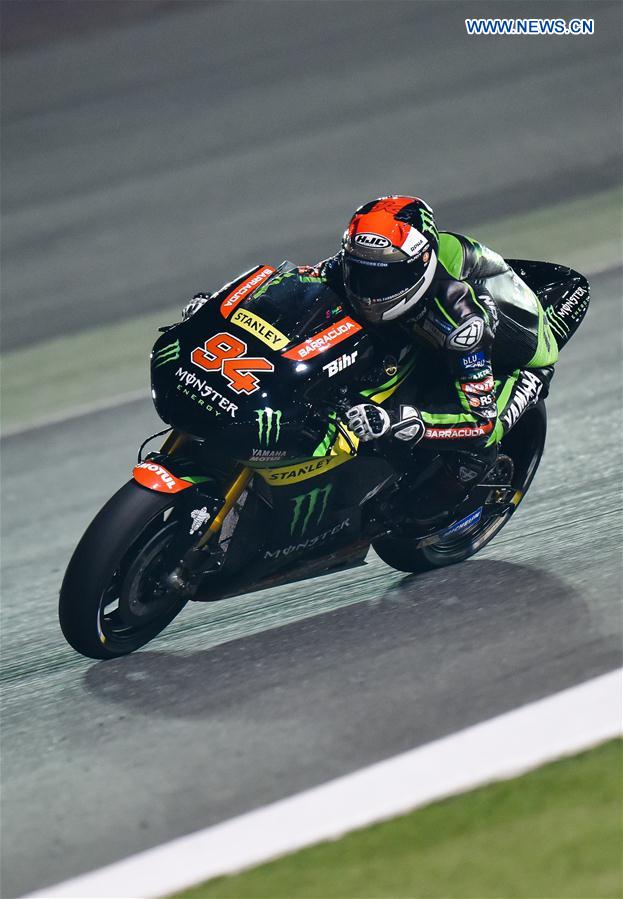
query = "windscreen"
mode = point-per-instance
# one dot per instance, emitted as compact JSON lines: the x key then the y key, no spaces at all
{"x":294,"y":303}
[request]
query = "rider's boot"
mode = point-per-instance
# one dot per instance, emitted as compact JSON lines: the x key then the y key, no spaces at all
{"x":428,"y":505}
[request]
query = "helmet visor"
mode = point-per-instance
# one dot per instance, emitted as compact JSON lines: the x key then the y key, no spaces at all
{"x":381,"y":281}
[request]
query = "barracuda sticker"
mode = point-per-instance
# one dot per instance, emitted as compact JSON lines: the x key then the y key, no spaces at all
{"x":251,"y":282}
{"x":322,"y":341}
{"x":306,"y":504}
{"x":457,"y":433}
{"x":268,"y":425}
{"x":168,"y":353}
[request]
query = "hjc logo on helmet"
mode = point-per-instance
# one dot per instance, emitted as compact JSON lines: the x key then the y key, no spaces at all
{"x":367,"y":239}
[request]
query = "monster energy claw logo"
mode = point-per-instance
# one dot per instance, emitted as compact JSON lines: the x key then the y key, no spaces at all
{"x":428,"y":224}
{"x":266,"y":418}
{"x":169,"y":353}
{"x":310,"y":502}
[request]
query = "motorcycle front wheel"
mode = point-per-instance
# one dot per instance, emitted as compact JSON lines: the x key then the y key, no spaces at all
{"x":109,"y":603}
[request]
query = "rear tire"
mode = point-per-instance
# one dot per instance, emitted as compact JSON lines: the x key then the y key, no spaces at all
{"x":524,"y":444}
{"x":106,"y":606}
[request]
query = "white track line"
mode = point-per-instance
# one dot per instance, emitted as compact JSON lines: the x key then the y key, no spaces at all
{"x":112,"y":402}
{"x":503,"y":747}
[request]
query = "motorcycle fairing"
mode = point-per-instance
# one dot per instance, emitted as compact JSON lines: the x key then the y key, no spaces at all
{"x":280,"y":416}
{"x":283,"y":475}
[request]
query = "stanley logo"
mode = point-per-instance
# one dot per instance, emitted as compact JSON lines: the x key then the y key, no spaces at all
{"x":259,"y":328}
{"x":169,"y":353}
{"x":306,"y":505}
{"x":268,"y":425}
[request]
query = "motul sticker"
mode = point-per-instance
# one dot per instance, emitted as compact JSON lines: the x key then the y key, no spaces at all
{"x":156,"y":477}
{"x":317,"y":344}
{"x":484,"y":386}
{"x":243,"y":290}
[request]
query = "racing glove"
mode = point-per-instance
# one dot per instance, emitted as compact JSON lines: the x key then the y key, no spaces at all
{"x":368,"y":422}
{"x":199,"y":300}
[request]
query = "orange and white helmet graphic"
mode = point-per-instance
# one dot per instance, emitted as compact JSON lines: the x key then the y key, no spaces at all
{"x":389,"y":256}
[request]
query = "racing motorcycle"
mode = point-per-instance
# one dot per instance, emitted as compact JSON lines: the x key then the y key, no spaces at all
{"x":259,"y":481}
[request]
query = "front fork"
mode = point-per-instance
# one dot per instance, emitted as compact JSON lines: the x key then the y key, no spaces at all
{"x":187,"y":573}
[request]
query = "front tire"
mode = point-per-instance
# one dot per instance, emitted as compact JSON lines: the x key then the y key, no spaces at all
{"x":107,"y":605}
{"x":524,"y":444}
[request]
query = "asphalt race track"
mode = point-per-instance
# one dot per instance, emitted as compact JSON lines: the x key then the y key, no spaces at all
{"x":144,"y":166}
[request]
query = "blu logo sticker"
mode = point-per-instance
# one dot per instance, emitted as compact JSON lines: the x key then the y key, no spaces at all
{"x":473,"y":362}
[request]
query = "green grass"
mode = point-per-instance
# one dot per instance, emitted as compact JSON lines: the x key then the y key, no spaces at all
{"x":555,"y":832}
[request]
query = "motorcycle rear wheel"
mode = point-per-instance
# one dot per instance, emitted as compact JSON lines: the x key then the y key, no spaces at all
{"x":524,"y":444}
{"x":108,"y":606}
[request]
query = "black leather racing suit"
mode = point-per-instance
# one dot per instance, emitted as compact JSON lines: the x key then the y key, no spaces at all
{"x":495,"y":350}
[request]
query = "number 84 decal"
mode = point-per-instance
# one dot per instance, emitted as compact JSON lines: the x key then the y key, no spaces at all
{"x":225,"y":353}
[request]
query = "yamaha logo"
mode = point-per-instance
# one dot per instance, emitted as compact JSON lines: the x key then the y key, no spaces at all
{"x":367,"y":239}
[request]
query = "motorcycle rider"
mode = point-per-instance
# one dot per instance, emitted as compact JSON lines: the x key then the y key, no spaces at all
{"x":395,"y":269}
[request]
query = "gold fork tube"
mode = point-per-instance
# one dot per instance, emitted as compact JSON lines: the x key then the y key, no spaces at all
{"x":174,"y":441}
{"x":231,"y":498}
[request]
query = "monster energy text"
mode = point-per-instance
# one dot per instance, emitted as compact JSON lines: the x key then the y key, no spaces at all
{"x":268,"y":425}
{"x":168,"y":353}
{"x":306,"y":504}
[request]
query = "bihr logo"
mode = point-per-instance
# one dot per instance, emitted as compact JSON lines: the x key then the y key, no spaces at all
{"x":306,"y":505}
{"x":337,"y":365}
{"x":376,"y":241}
{"x":268,"y":425}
